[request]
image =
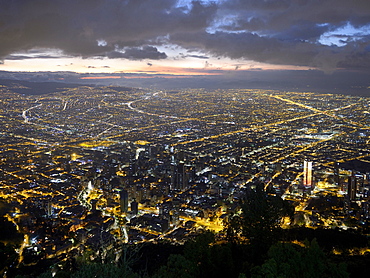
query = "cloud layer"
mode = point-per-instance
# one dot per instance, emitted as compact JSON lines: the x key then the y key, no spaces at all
{"x":96,"y":27}
{"x":285,"y":32}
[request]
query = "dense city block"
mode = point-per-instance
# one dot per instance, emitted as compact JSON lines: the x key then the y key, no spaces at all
{"x":86,"y":170}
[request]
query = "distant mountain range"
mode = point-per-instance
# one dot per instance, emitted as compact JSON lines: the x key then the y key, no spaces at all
{"x":35,"y":88}
{"x":340,"y":82}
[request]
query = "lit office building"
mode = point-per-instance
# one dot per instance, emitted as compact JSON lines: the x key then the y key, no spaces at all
{"x":307,"y":174}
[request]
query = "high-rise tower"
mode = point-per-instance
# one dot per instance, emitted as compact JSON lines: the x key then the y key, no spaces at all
{"x":123,"y":194}
{"x":352,"y":187}
{"x":307,"y":174}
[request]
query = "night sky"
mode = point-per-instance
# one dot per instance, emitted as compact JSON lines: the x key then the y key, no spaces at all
{"x":238,"y":41}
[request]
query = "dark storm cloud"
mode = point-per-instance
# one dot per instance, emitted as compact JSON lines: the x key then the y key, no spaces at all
{"x":275,"y":51}
{"x":248,"y":46}
{"x":197,"y":56}
{"x":301,"y":31}
{"x":24,"y":57}
{"x":286,"y":32}
{"x":280,"y":15}
{"x":283,"y":32}
{"x":138,"y":53}
{"x":289,"y":32}
{"x":94,"y":27}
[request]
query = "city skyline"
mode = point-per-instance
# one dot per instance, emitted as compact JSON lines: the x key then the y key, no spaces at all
{"x":92,"y":169}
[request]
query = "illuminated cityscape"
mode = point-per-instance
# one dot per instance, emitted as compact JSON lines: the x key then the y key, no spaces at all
{"x":184,"y":138}
{"x":87,"y":168}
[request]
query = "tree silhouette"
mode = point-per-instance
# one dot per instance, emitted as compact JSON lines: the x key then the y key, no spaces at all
{"x":201,"y":258}
{"x":261,"y":217}
{"x":177,"y":267}
{"x":292,"y":261}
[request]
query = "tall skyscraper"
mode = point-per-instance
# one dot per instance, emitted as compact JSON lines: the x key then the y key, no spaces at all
{"x":336,"y":174}
{"x":135,"y":207}
{"x":175,"y":212}
{"x":49,"y":208}
{"x":123,"y":194}
{"x":179,"y":177}
{"x":307,"y":174}
{"x":352,"y":187}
